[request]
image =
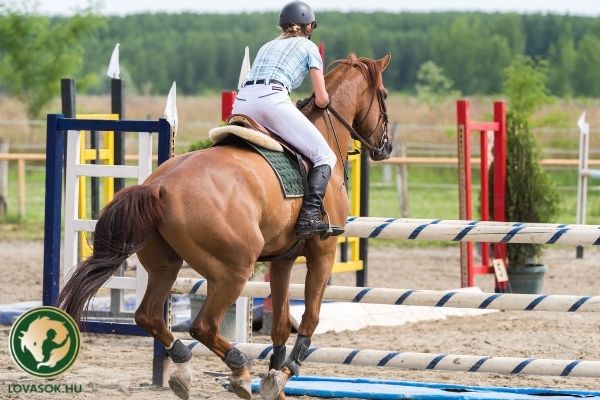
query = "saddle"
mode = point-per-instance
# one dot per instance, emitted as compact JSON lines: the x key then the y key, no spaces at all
{"x":244,"y":127}
{"x":247,"y":128}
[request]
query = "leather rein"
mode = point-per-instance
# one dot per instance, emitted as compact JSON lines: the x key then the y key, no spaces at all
{"x":382,"y":120}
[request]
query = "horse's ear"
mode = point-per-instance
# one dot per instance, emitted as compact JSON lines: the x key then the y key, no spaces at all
{"x":385,"y":61}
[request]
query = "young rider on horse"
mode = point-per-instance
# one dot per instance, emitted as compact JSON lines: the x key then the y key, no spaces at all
{"x":280,"y":66}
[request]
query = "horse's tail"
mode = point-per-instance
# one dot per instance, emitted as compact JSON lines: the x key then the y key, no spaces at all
{"x":121,"y":230}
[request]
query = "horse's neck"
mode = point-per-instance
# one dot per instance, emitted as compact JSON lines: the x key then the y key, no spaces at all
{"x":345,"y":98}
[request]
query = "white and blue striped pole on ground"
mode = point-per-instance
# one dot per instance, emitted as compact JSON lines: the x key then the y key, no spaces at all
{"x":410,"y":297}
{"x":471,"y":231}
{"x":425,"y":361}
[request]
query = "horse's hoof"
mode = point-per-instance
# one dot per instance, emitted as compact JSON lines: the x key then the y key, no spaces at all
{"x":272,"y":384}
{"x":241,"y":387}
{"x":179,"y":389}
{"x":180,"y":380}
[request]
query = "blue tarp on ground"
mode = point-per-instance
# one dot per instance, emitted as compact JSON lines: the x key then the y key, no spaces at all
{"x":331,"y":387}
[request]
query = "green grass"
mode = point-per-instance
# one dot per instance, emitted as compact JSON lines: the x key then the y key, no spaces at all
{"x":433,"y":193}
{"x":31,"y":226}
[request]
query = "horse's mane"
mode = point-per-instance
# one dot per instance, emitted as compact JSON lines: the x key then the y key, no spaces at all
{"x":369,"y":68}
{"x":337,"y":70}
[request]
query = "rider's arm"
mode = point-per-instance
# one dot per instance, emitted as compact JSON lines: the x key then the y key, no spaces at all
{"x":318,"y":84}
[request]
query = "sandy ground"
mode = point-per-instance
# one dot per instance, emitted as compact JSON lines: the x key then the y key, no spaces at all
{"x":120,"y":367}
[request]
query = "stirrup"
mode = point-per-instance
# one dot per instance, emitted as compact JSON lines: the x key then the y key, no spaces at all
{"x":332,"y":230}
{"x":310,"y":227}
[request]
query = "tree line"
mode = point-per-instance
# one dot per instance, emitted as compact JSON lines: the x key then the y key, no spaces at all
{"x":203,"y":52}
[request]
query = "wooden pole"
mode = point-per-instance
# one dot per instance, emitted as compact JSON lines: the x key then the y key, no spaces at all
{"x":402,"y":183}
{"x":22,"y":194}
{"x":3,"y":176}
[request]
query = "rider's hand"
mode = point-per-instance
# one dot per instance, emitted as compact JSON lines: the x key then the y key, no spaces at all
{"x":300,"y":104}
{"x":321,"y":105}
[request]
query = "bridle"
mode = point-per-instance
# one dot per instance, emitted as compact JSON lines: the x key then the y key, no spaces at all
{"x":382,"y":119}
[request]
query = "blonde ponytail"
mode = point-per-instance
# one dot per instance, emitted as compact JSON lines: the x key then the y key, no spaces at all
{"x":293,"y":30}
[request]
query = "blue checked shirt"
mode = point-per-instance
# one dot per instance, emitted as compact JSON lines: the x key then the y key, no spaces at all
{"x":286,"y":60}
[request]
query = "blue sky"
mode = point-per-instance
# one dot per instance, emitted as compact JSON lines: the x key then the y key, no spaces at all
{"x":121,"y":7}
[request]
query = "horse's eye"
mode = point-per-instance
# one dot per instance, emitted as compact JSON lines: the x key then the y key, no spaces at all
{"x":35,"y":343}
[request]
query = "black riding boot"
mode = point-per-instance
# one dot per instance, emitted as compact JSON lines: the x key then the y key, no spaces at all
{"x":310,"y":222}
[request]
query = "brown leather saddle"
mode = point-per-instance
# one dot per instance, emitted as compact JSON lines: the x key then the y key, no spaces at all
{"x":248,"y":122}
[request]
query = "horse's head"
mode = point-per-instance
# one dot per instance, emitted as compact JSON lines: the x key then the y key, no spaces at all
{"x":370,"y":119}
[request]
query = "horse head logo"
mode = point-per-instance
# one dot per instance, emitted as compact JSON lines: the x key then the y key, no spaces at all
{"x":47,"y":340}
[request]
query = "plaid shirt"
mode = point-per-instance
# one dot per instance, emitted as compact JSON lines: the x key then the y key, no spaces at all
{"x":286,"y":60}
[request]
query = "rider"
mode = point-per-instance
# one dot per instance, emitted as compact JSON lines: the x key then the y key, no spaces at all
{"x":280,"y":66}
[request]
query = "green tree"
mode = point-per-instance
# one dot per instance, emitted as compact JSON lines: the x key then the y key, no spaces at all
{"x":510,"y":27}
{"x":525,"y":84}
{"x":587,"y":66}
{"x":562,"y":57}
{"x":472,"y":55}
{"x":530,"y":194}
{"x":432,"y":85}
{"x":36,"y":52}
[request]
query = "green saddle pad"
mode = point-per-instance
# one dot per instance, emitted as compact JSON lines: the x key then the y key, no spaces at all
{"x":286,"y":169}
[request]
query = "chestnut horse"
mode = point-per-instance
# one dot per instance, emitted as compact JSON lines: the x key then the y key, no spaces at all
{"x":220,"y":209}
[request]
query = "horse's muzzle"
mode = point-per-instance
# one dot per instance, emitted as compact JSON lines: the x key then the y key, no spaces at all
{"x":382,"y":153}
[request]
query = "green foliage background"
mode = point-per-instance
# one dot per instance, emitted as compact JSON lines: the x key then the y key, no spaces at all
{"x":203,"y":52}
{"x":36,"y":52}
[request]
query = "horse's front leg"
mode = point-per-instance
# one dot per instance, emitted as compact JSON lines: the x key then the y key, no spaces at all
{"x":319,"y":260}
{"x":279,"y":272}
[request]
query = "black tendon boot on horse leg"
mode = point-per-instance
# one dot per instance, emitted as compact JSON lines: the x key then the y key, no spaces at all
{"x":272,"y":384}
{"x":310,"y":222}
{"x":180,"y":380}
{"x":240,"y":385}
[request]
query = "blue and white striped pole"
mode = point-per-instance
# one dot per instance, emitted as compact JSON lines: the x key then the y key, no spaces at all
{"x":470,"y":222}
{"x":410,"y":297}
{"x":473,"y":231}
{"x":425,"y":361}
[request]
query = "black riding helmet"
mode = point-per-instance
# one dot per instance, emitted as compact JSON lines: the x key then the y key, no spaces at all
{"x":297,"y":12}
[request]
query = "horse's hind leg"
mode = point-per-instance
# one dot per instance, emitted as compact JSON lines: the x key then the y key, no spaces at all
{"x":221,"y":294}
{"x":163,"y":265}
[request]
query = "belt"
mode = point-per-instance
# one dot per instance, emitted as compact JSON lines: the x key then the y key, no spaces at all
{"x":264,"y":82}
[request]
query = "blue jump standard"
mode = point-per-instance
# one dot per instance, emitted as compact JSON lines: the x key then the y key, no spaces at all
{"x":349,"y":388}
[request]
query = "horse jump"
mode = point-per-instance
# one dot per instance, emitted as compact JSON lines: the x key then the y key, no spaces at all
{"x":440,"y":229}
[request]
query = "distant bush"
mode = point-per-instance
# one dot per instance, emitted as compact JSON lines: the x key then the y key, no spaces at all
{"x":432,"y":86}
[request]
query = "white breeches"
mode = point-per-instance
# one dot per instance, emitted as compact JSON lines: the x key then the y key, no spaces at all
{"x":270,"y":106}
